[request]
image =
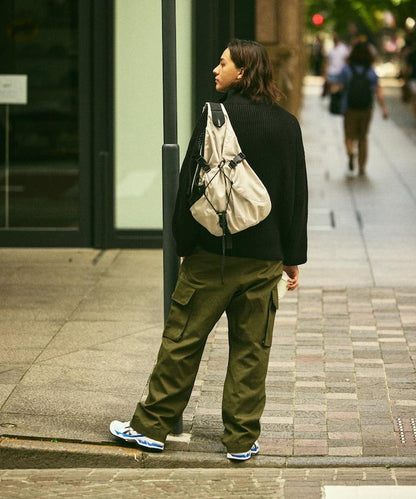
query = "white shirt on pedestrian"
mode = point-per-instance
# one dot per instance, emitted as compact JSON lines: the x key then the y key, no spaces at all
{"x":336,"y":58}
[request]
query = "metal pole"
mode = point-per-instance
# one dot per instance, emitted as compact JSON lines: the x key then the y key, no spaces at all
{"x":170,"y":157}
{"x":6,"y":168}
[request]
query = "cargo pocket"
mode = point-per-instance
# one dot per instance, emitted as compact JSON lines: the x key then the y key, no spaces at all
{"x":179,"y":311}
{"x":273,"y":306}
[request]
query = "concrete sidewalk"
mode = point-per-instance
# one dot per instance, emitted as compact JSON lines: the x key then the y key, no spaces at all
{"x":80,"y":330}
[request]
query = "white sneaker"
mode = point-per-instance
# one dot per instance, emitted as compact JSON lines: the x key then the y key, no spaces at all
{"x":244,"y":456}
{"x":126,"y":433}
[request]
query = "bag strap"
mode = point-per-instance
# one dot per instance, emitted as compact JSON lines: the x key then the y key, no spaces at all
{"x":217,"y":113}
{"x":218,"y":118}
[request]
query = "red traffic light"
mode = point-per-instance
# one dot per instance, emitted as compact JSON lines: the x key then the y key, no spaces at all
{"x":318,"y":19}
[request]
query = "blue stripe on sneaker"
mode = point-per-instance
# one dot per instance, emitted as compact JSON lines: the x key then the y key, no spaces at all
{"x":242,"y":456}
{"x":127,"y":435}
{"x":146,"y":443}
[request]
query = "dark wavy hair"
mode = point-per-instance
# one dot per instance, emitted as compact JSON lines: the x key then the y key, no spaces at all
{"x":257,"y":81}
{"x":361,"y":55}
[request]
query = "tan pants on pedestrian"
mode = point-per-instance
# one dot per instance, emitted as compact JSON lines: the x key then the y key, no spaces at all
{"x":249,"y":298}
{"x":356,"y":127}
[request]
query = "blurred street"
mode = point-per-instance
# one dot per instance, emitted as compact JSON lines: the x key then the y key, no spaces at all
{"x":80,"y":329}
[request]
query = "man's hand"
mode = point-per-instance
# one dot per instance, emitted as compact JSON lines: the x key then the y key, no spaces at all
{"x":293,"y":272}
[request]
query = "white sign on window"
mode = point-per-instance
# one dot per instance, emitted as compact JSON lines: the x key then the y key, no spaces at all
{"x":13,"y":89}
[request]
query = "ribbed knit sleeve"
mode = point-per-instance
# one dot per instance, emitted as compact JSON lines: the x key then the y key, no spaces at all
{"x":295,"y":241}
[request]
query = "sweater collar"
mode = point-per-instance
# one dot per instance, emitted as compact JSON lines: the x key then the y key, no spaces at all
{"x":234,"y":96}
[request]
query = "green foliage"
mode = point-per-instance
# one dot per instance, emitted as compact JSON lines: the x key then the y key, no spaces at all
{"x":367,"y":14}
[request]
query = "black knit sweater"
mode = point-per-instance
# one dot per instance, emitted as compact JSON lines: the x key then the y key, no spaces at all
{"x":270,"y":137}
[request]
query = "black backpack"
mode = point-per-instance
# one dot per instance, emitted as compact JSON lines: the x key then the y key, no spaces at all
{"x":359,"y":93}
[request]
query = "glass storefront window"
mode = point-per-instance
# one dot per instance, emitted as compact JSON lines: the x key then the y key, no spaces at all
{"x":39,"y":38}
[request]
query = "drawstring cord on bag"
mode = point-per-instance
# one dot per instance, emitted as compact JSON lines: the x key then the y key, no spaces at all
{"x":226,"y":242}
{"x":226,"y":235}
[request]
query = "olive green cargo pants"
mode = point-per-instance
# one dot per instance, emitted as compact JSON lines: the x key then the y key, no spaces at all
{"x":249,"y":298}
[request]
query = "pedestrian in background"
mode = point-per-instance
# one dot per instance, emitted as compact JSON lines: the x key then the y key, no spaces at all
{"x":270,"y":138}
{"x":411,"y":73}
{"x":359,"y":84}
{"x":335,"y":61}
{"x":336,"y":58}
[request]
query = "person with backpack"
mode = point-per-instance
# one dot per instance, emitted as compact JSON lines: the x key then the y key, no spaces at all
{"x":359,"y":84}
{"x":231,"y":271}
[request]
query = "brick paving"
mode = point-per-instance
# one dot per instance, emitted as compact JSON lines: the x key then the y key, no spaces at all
{"x":126,"y":483}
{"x":342,"y":370}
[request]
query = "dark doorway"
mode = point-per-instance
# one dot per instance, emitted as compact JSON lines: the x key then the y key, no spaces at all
{"x":47,"y":166}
